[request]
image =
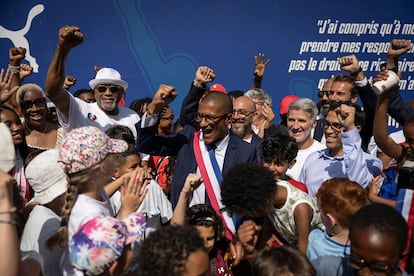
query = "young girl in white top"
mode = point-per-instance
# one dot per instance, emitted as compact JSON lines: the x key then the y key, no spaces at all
{"x":88,"y":156}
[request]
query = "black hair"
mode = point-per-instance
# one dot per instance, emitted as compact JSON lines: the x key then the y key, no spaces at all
{"x":235,"y":94}
{"x":359,"y":113}
{"x":279,"y":148}
{"x":282,"y":260}
{"x":78,"y":92}
{"x":248,"y":189}
{"x":122,"y":133}
{"x":204,"y":215}
{"x":137,"y":104}
{"x":131,"y":150}
{"x":165,"y":251}
{"x":383,"y":219}
{"x":23,"y":148}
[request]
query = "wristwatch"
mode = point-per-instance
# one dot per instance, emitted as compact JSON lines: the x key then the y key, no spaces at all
{"x":355,"y":73}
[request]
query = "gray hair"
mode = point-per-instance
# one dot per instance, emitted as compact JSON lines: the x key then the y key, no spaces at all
{"x":306,"y":105}
{"x":257,"y":93}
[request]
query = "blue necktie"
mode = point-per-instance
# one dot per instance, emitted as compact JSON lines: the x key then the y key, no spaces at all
{"x":214,"y":163}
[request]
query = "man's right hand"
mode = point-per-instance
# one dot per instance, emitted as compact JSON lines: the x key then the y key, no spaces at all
{"x":164,"y":95}
{"x":70,"y":37}
{"x":203,"y":76}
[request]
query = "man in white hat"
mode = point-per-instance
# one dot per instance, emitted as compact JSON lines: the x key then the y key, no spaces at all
{"x":108,"y":87}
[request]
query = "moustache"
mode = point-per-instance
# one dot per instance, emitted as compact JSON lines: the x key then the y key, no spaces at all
{"x":234,"y":121}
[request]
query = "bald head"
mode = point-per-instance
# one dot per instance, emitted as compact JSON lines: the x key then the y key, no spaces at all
{"x":244,"y":101}
{"x":220,"y":99}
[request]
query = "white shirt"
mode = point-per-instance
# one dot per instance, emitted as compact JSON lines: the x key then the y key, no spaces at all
{"x":85,"y":209}
{"x":42,"y":223}
{"x":90,"y":114}
{"x":294,"y":172}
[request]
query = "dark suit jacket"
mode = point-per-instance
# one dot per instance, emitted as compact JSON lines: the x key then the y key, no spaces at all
{"x":257,"y":142}
{"x":181,"y":145}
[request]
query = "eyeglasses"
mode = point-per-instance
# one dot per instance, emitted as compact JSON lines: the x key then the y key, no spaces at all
{"x":324,"y":92}
{"x":242,"y":112}
{"x":209,"y":118}
{"x":334,"y":126}
{"x":112,"y":88}
{"x":359,"y":263}
{"x":28,"y":104}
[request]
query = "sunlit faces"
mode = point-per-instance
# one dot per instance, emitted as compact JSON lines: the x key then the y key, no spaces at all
{"x":208,"y":235}
{"x":333,"y":133}
{"x":196,"y":264}
{"x":87,"y":97}
{"x":33,"y":107}
{"x":14,"y":124}
{"x":108,"y":99}
{"x":299,"y":124}
{"x":213,"y":130}
{"x":279,"y":170}
{"x":131,"y":163}
{"x":373,"y":253}
{"x":341,"y":91}
{"x":323,"y":95}
{"x":242,"y":117}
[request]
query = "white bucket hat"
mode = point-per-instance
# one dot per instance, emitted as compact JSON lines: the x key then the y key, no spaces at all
{"x":46,"y":177}
{"x":108,"y":76}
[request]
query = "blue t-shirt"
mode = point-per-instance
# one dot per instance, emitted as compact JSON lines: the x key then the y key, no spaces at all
{"x":320,"y":244}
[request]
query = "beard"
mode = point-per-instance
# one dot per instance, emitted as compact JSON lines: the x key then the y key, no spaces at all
{"x":240,"y":131}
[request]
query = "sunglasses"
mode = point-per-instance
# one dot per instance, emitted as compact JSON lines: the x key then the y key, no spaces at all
{"x":112,"y":88}
{"x":28,"y":104}
{"x":324,"y":92}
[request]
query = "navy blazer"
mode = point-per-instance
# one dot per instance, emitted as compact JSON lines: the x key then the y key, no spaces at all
{"x":181,"y":145}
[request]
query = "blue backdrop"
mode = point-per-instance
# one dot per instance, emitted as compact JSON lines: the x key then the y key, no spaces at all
{"x":164,"y":41}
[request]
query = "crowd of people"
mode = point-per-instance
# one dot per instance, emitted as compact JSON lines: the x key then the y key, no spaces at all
{"x":91,"y":187}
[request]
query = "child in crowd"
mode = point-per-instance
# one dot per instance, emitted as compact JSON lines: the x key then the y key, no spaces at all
{"x":173,"y":250}
{"x":279,"y":152}
{"x":283,"y":260}
{"x":338,"y":200}
{"x":88,"y":156}
{"x":250,"y":190}
{"x":156,"y":206}
{"x":208,"y":224}
{"x":10,"y":118}
{"x":49,"y":183}
{"x":378,"y":234}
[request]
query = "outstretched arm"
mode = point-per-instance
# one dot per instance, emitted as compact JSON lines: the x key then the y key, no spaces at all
{"x":189,"y":107}
{"x":384,"y":142}
{"x":191,"y":183}
{"x":69,"y":37}
{"x":259,"y":70}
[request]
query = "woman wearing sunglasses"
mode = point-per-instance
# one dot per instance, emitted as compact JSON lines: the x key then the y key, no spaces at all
{"x":40,"y":133}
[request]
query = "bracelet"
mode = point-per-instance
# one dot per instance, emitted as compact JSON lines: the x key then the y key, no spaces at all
{"x":11,"y":210}
{"x":14,"y":222}
{"x":14,"y":69}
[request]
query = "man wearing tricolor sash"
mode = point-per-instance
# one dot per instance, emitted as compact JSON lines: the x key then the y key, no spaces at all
{"x":205,"y":146}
